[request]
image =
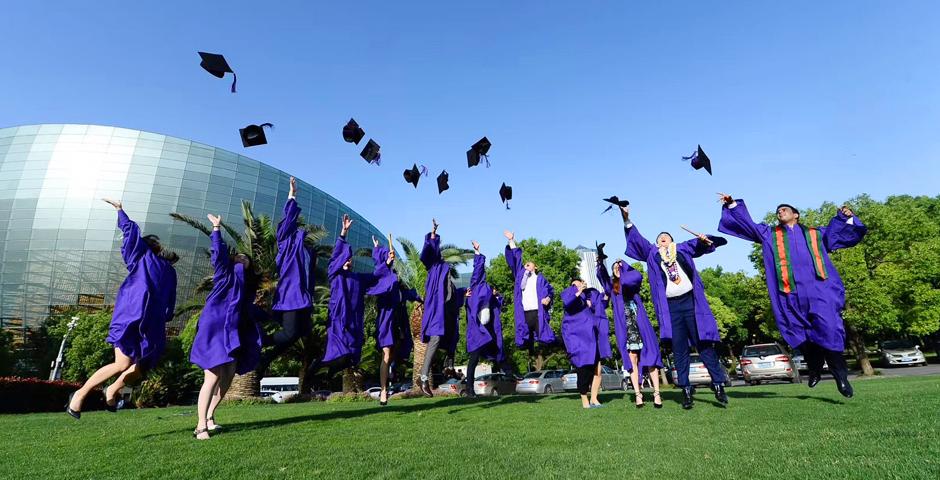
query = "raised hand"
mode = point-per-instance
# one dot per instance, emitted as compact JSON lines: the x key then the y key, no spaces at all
{"x":625,"y":213}
{"x":702,"y":237}
{"x":391,"y":258}
{"x":476,"y":246}
{"x":215,"y":219}
{"x":114,"y":203}
{"x":547,"y":300}
{"x":434,"y":222}
{"x":509,"y":235}
{"x":375,"y":243}
{"x":347,"y":222}
{"x":293,"y":187}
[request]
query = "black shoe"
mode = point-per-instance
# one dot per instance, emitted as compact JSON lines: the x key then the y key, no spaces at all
{"x":720,"y":394}
{"x":68,"y":409}
{"x":426,"y":388}
{"x":845,"y":388}
{"x":813,"y":380}
{"x":108,"y":406}
{"x":687,"y":401}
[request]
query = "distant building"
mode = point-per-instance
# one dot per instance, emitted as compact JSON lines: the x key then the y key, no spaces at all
{"x":587,"y":265}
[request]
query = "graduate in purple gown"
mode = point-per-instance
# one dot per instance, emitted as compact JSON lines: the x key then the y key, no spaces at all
{"x":293,"y":298}
{"x":806,"y":293}
{"x":228,"y":337}
{"x":636,"y":339}
{"x":585,"y":330}
{"x":144,"y":303}
{"x":484,"y":328}
{"x":685,"y":319}
{"x":345,"y":335}
{"x":393,"y":333}
{"x":533,"y":297}
{"x":438,"y":324}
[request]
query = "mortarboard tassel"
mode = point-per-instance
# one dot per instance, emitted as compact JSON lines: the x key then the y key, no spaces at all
{"x":234,"y":81}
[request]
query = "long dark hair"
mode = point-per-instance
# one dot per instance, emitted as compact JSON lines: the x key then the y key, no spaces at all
{"x":615,"y":276}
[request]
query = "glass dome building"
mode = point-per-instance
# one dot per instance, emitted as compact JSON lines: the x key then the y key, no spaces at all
{"x":59,"y":243}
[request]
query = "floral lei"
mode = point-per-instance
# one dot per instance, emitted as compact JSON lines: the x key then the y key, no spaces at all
{"x":669,"y":260}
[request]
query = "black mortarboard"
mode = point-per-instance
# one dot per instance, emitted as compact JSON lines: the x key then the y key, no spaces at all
{"x":253,"y":135}
{"x":699,"y":160}
{"x":442,"y":182}
{"x":371,"y":153}
{"x":505,"y":194}
{"x":217,"y":66}
{"x":412,"y":175}
{"x":477,"y":150}
{"x":600,"y":251}
{"x":615,"y":201}
{"x":352,"y":133}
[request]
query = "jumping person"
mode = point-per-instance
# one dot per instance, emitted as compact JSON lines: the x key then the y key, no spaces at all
{"x":532,"y":299}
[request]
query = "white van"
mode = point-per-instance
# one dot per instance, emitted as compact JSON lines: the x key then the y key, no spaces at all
{"x":280,"y":388}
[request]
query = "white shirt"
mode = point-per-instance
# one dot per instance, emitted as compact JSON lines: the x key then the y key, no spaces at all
{"x":676,"y":289}
{"x":530,"y":293}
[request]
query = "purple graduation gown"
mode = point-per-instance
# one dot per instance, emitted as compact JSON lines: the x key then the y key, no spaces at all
{"x":545,"y":335}
{"x":392,"y":326}
{"x":487,"y":339}
{"x":813,"y":310}
{"x":295,"y":265}
{"x":227,"y":330}
{"x":435,"y":294}
{"x":641,"y":249}
{"x":630,"y":281}
{"x":345,"y":335}
{"x":583,"y":331}
{"x":144,"y":302}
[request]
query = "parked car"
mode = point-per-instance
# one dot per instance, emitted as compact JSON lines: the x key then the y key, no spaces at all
{"x":767,"y":361}
{"x":800,"y":363}
{"x":374,"y":392}
{"x":698,"y":373}
{"x":400,"y":387}
{"x":542,"y":381}
{"x":453,"y":387}
{"x":900,"y":352}
{"x":494,"y":384}
{"x":280,"y":388}
{"x":610,"y":380}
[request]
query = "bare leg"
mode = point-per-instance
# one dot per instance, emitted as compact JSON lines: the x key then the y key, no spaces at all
{"x":205,"y":397}
{"x":226,"y":374}
{"x":654,"y":378}
{"x":596,"y":384}
{"x":383,"y":373}
{"x":635,"y":377}
{"x":121,"y":362}
{"x":128,"y":377}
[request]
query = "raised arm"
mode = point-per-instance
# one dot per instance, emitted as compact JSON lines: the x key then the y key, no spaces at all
{"x":479,"y":267}
{"x":219,"y":254}
{"x":697,"y":247}
{"x":571,"y":299}
{"x":604,"y":277}
{"x":383,"y":279}
{"x":637,"y":247}
{"x":431,"y":252}
{"x":737,"y":221}
{"x":288,"y":224}
{"x":342,"y":252}
{"x":630,"y":278}
{"x":844,"y":230}
{"x":133,"y":246}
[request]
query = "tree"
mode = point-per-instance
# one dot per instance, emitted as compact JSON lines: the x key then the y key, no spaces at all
{"x":559,"y":264}
{"x":87,"y":348}
{"x":6,"y":353}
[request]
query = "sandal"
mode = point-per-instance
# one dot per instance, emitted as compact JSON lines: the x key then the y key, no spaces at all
{"x":215,"y":426}
{"x":639,"y":399}
{"x":200,"y":431}
{"x":656,"y":397}
{"x":113,"y":408}
{"x":76,"y":414}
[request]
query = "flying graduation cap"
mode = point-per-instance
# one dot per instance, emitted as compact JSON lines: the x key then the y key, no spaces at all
{"x":615,"y":201}
{"x":352,"y":133}
{"x":371,"y":153}
{"x":442,"y":182}
{"x":217,"y":66}
{"x":699,"y":160}
{"x":477,"y":150}
{"x":253,"y":135}
{"x":505,"y":194}
{"x":601,"y":256}
{"x":412,"y":175}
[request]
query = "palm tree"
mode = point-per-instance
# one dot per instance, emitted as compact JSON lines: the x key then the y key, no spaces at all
{"x":259,"y":242}
{"x":412,"y":273}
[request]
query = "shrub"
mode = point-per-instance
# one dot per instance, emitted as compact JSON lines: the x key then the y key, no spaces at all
{"x":174,"y":381}
{"x":28,"y":395}
{"x":349,"y":397}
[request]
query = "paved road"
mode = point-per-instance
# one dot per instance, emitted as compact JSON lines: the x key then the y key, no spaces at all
{"x":931,"y":369}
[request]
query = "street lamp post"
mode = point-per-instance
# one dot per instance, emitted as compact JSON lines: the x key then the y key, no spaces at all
{"x":56,"y":373}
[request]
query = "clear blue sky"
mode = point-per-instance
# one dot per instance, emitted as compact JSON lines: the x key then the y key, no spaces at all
{"x":580,"y":99}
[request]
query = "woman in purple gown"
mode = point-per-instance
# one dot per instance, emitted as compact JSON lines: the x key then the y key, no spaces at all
{"x":584,"y":331}
{"x":484,"y":326}
{"x":144,"y":303}
{"x":636,"y":339}
{"x":228,"y":338}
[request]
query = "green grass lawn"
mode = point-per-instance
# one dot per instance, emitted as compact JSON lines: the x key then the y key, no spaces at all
{"x":891,"y":429}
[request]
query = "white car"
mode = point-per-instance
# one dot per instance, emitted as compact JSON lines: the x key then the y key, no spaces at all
{"x":374,"y":392}
{"x":280,"y":388}
{"x":900,"y":352}
{"x":610,"y":380}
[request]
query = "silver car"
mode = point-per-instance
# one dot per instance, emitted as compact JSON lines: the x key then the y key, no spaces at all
{"x":767,"y":361}
{"x":494,"y":384}
{"x":698,"y":372}
{"x":542,"y":381}
{"x":800,"y":362}
{"x":610,"y":380}
{"x":900,"y":352}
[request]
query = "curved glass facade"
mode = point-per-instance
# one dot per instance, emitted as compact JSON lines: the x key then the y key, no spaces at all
{"x":59,"y":243}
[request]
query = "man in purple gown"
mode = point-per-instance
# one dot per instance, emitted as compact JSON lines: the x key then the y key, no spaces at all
{"x":437,"y":324}
{"x":806,"y":293}
{"x":484,"y":328}
{"x":532,"y":299}
{"x":293,"y":298}
{"x":685,"y":319}
{"x":144,"y":303}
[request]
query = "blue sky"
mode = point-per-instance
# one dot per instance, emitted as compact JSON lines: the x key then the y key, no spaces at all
{"x":580,"y":99}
